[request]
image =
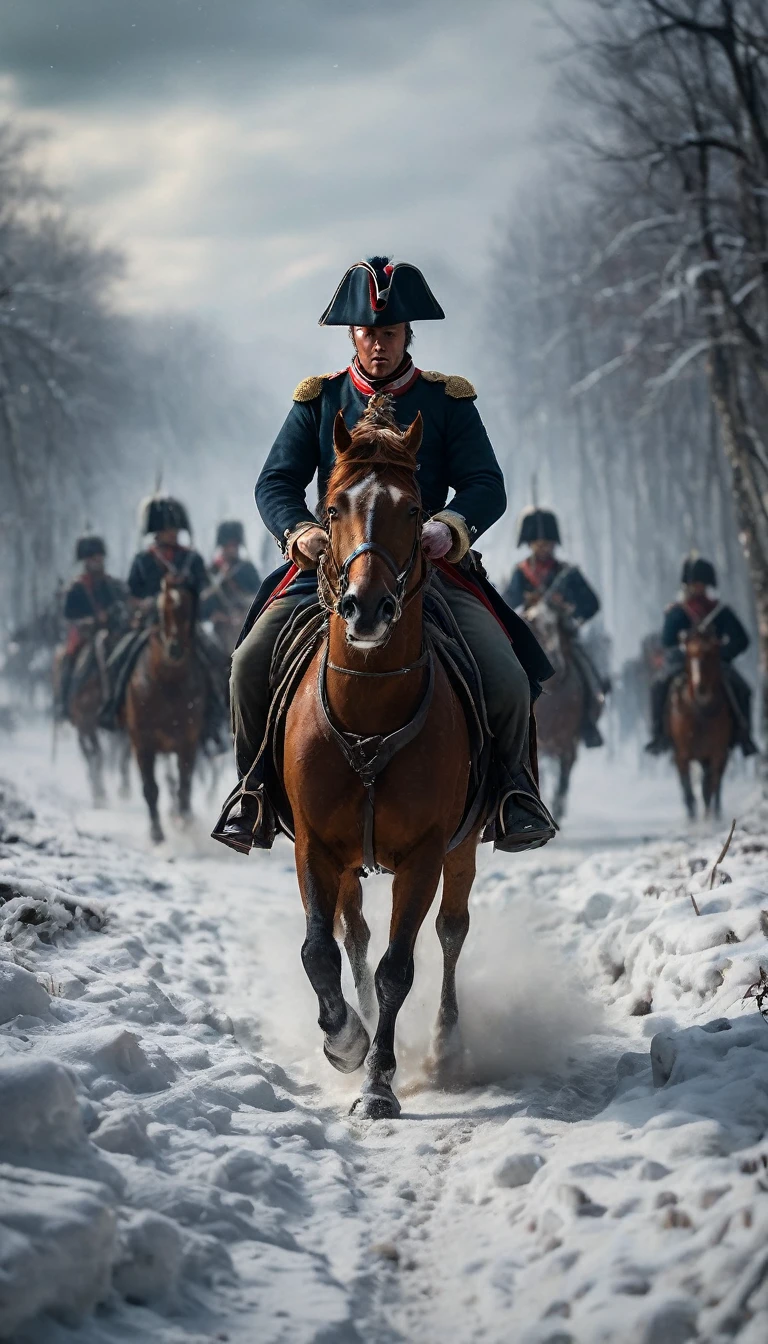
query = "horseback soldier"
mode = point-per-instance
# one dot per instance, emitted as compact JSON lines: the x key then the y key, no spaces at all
{"x":563,"y":586}
{"x":235,"y":581}
{"x":377,"y":301}
{"x":93,"y":603}
{"x":698,"y":609}
{"x":163,"y":517}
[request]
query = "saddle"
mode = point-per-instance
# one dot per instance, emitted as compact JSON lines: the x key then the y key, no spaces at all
{"x":298,"y":643}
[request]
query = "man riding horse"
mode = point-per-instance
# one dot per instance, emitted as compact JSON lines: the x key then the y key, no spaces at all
{"x":163,"y":518}
{"x":377,"y":301}
{"x":698,"y":610}
{"x":234,"y":584}
{"x":542,"y":576}
{"x":94,"y":602}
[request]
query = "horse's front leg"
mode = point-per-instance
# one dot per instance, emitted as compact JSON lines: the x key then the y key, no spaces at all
{"x":145,"y":759}
{"x":452,"y":928}
{"x":357,"y":936}
{"x":91,"y":749}
{"x":413,"y":892}
{"x":689,"y":798}
{"x":566,"y":764}
{"x":186,"y":764}
{"x":346,"y":1040}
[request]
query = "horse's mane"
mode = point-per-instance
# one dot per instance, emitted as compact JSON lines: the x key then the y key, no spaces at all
{"x":377,"y":446}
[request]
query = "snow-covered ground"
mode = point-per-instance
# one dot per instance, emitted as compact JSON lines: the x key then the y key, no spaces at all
{"x":176,"y":1158}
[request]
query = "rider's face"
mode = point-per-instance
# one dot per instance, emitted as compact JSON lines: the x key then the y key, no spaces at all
{"x":380,"y":349}
{"x":95,"y":564}
{"x":230,"y":550}
{"x":168,"y":537}
{"x":697,"y":589}
{"x":543,"y":550}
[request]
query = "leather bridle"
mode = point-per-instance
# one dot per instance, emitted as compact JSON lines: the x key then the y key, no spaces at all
{"x":400,"y":595}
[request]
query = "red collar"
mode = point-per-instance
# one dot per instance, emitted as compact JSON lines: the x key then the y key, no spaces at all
{"x":538,"y":571}
{"x":395,"y":388}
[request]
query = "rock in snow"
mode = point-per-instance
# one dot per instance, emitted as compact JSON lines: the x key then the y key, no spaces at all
{"x":161,"y":1179}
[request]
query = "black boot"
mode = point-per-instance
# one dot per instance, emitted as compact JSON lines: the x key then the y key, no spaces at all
{"x":591,"y":735}
{"x":524,"y":822}
{"x":659,"y":742}
{"x":247,"y":821}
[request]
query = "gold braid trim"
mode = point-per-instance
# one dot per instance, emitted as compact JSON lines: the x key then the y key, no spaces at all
{"x":455,"y":385}
{"x":309,"y":388}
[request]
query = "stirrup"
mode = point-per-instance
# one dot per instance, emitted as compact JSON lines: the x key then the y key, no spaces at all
{"x":529,"y":799}
{"x":244,"y":833}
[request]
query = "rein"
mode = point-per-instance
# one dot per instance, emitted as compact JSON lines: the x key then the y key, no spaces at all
{"x":401,"y":576}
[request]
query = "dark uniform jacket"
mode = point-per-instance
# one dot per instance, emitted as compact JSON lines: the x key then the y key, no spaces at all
{"x":683,"y":616}
{"x":150,"y":567}
{"x":229,"y":585}
{"x":573,"y":587}
{"x":455,"y":453}
{"x":91,"y":597}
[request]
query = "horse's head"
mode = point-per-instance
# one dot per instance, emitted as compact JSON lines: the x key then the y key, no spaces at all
{"x":703,"y":664}
{"x":546,"y":625}
{"x":176,"y":605}
{"x":373,"y":518}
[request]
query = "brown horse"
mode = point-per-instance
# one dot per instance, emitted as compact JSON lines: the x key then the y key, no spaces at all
{"x":560,"y":708}
{"x":371,"y":679}
{"x":165,"y":699}
{"x":83,"y":705}
{"x":82,"y":711}
{"x":699,"y":720}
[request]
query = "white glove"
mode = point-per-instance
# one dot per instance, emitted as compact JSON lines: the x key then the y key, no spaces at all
{"x":436,"y":540}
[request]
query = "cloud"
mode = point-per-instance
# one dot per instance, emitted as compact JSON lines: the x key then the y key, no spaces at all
{"x":243,"y":152}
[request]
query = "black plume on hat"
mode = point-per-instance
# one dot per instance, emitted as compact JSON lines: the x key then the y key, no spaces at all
{"x":698,"y":570}
{"x":89,"y":545}
{"x":161,"y":512}
{"x":537,"y":524}
{"x":231,"y":530}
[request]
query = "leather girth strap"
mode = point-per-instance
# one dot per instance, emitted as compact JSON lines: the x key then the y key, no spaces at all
{"x":368,"y":756}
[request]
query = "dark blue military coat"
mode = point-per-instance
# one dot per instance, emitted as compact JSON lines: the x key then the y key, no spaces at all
{"x":88,"y":598}
{"x":149,"y":568}
{"x":455,"y":453}
{"x":725,"y":623}
{"x":573,"y":586}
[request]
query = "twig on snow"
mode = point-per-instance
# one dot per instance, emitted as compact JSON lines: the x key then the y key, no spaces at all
{"x":723,"y":853}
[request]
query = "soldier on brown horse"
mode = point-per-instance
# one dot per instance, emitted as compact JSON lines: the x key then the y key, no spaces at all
{"x":698,"y":608}
{"x":164,"y":584}
{"x":557,"y":601}
{"x":95,"y":608}
{"x":699,"y":688}
{"x":376,"y":759}
{"x":234,"y":584}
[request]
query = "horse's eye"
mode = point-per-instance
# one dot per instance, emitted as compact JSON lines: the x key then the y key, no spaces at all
{"x":412,"y":512}
{"x":332,"y":512}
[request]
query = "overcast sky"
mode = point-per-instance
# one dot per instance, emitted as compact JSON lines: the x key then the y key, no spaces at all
{"x":243,"y":152}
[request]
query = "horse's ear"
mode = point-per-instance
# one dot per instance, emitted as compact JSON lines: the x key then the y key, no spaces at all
{"x":413,"y":435}
{"x":342,"y":438}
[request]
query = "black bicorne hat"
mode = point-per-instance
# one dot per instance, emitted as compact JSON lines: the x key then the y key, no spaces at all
{"x":160,"y":512}
{"x":698,"y":570}
{"x":230,"y":531}
{"x":537,"y":524}
{"x":89,"y":545}
{"x":379,"y":293}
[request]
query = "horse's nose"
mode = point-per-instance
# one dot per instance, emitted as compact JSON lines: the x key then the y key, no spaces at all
{"x":387,"y":609}
{"x":349,"y":608}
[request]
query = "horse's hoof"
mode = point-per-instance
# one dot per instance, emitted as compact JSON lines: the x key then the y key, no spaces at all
{"x":157,"y":835}
{"x":376,"y":1103}
{"x":347,"y":1050}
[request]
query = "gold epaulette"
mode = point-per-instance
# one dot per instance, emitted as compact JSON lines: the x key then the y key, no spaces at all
{"x":455,"y":385}
{"x":309,"y":388}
